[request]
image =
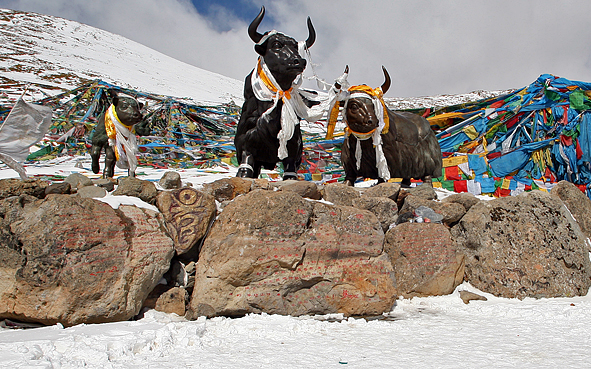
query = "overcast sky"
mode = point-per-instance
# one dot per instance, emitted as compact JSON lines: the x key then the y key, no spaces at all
{"x":429,"y":47}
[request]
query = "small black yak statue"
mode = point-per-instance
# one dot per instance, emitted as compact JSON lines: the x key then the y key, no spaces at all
{"x":382,"y":144}
{"x":115,"y":133}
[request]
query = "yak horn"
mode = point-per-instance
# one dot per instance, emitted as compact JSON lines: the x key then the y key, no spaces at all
{"x":337,"y":85}
{"x":252,"y":29}
{"x":386,"y":84}
{"x":311,"y":34}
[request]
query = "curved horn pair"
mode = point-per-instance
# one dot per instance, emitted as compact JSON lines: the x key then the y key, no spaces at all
{"x":256,"y":36}
{"x":385,"y":86}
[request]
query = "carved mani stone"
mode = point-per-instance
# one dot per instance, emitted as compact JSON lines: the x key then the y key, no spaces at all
{"x":188,"y":213}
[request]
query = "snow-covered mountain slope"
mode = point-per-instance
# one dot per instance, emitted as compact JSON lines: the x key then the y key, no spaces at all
{"x":55,"y":53}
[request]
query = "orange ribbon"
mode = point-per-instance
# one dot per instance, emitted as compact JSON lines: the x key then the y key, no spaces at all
{"x":270,"y":85}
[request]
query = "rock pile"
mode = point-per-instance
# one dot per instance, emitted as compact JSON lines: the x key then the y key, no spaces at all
{"x":282,"y":248}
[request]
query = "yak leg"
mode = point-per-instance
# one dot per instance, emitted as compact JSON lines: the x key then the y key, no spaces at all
{"x":247,"y":166}
{"x":95,"y":154}
{"x":289,"y":169}
{"x":257,"y":170}
{"x":110,"y":161}
{"x":405,"y":183}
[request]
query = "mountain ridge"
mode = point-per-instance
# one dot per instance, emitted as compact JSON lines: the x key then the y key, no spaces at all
{"x":52,"y":53}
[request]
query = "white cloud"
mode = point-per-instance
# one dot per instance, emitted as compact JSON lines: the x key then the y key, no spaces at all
{"x":429,"y":47}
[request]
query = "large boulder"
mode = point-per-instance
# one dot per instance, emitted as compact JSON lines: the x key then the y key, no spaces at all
{"x":171,"y":181}
{"x":78,"y":180}
{"x":131,"y":186}
{"x":228,"y":188}
{"x":91,"y":192}
{"x":73,"y":260}
{"x":384,"y":208}
{"x":451,"y":212}
{"x":424,"y":259}
{"x":173,"y":301}
{"x":277,"y":253}
{"x":15,"y":187}
{"x":302,"y":188}
{"x":466,"y":199}
{"x":340,"y":194}
{"x":386,"y":189}
{"x":524,"y":246}
{"x":58,"y":188}
{"x":577,"y":203}
{"x":188,"y":214}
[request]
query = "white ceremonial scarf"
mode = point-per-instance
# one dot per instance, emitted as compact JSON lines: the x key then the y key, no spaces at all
{"x":124,"y":142}
{"x":376,"y":136}
{"x":266,"y":88}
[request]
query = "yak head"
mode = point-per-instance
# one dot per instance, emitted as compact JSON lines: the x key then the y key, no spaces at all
{"x":359,"y":110}
{"x":128,"y":109}
{"x":280,"y":52}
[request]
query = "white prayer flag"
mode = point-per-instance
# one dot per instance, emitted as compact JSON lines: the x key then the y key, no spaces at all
{"x":25,"y":125}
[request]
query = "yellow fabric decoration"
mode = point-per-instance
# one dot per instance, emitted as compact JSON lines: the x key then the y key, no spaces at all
{"x":471,"y":132}
{"x":269,"y":84}
{"x":441,"y":119}
{"x":110,"y":128}
{"x":360,"y":135}
{"x":454,"y":160}
{"x":506,"y":184}
{"x":332,"y":121}
{"x":377,"y":93}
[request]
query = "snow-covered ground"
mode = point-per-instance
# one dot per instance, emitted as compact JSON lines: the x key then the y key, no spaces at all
{"x":434,"y":332}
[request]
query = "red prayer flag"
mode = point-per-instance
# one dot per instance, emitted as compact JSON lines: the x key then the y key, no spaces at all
{"x":566,"y":140}
{"x":579,"y":151}
{"x":493,"y":155}
{"x":500,"y":192}
{"x":511,"y":122}
{"x":497,"y":104}
{"x":452,"y":173}
{"x":461,"y":186}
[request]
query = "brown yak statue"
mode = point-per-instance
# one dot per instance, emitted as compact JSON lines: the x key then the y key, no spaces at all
{"x":382,"y":144}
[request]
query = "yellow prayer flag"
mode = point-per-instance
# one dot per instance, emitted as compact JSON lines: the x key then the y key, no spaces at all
{"x":454,"y":160}
{"x":471,"y":132}
{"x":506,"y":184}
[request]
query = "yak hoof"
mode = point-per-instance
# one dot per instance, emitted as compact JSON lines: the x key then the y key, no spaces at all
{"x":245,"y":173}
{"x":348,"y":182}
{"x":95,"y":167}
{"x":405,"y":183}
{"x":290,"y":175}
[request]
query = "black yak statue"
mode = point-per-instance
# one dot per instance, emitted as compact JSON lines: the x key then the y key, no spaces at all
{"x":115,"y":133}
{"x":268,"y":130}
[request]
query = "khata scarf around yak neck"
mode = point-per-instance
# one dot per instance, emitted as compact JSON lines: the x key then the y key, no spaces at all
{"x":122,"y":140}
{"x":376,"y":95}
{"x":266,"y":88}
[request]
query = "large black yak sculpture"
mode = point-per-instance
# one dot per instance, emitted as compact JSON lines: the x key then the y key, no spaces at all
{"x":382,"y":144}
{"x":268,"y":130}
